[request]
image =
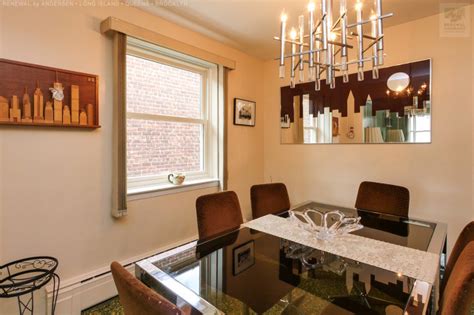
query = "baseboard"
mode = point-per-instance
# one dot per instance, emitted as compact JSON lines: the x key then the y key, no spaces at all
{"x":79,"y":293}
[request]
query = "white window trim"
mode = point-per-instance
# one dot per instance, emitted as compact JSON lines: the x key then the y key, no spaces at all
{"x":211,"y":111}
{"x":166,"y":189}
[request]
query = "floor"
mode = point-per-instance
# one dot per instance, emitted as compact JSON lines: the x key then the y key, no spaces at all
{"x":109,"y":307}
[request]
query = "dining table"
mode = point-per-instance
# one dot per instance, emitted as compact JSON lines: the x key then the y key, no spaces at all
{"x":274,"y":265}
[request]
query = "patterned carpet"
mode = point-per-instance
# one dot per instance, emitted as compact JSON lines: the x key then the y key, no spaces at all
{"x":109,"y":307}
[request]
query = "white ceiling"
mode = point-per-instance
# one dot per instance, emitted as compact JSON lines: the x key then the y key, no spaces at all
{"x":249,"y":25}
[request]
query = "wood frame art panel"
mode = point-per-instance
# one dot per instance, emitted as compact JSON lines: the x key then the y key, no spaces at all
{"x":16,"y":77}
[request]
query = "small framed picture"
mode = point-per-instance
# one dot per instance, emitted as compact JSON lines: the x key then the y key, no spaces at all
{"x":243,"y":257}
{"x":244,"y":112}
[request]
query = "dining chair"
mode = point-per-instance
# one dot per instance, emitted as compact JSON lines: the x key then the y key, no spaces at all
{"x":466,"y":237}
{"x":383,"y":198}
{"x":458,"y":295}
{"x":218,"y":213}
{"x":138,"y":299}
{"x":269,"y":199}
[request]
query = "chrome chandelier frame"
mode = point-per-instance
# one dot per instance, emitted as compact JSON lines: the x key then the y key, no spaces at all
{"x":325,"y":47}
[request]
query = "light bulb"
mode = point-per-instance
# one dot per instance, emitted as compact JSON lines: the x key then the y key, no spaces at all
{"x":373,"y":17}
{"x":358,"y":6}
{"x":293,"y":34}
{"x":283,"y":17}
{"x":311,"y":6}
{"x":332,"y":36}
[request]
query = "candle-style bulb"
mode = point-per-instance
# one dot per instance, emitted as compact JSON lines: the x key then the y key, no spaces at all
{"x":311,"y":6}
{"x":332,"y":36}
{"x":293,"y":34}
{"x":358,"y":6}
{"x":281,"y":72}
{"x":375,"y":73}
{"x":317,"y":85}
{"x":283,"y":17}
{"x":345,"y":76}
{"x":360,"y":74}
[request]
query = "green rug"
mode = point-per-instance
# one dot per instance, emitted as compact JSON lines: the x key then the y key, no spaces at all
{"x":109,"y":307}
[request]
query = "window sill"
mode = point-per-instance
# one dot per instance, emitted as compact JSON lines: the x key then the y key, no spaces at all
{"x":167,"y":188}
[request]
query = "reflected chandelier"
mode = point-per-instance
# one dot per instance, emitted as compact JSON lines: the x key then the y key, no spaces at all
{"x":325,"y":47}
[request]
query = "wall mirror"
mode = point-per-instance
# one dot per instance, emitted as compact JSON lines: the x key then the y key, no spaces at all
{"x":395,"y":108}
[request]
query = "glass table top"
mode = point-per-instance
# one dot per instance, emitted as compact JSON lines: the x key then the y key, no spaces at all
{"x":251,"y":272}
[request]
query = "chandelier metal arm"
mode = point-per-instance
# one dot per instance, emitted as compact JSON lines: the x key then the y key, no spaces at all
{"x":370,"y":20}
{"x":375,"y":41}
{"x":365,"y":36}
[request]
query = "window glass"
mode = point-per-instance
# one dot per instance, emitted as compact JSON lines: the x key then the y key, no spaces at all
{"x":162,"y":147}
{"x":160,"y":89}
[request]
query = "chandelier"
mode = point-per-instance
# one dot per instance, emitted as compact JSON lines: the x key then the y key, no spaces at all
{"x":326,"y":45}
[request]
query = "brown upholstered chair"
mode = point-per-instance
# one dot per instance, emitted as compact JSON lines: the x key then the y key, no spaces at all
{"x":269,"y":199}
{"x":218,"y":213}
{"x":466,"y":237}
{"x":138,"y":299}
{"x":458,"y":295}
{"x":383,"y":198}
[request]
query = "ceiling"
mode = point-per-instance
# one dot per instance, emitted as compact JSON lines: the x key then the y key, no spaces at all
{"x":249,"y":25}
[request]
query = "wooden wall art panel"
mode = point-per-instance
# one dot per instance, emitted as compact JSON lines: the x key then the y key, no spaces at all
{"x":34,"y":95}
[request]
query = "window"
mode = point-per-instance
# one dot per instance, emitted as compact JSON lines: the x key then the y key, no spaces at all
{"x":172,"y":113}
{"x":419,"y":128}
{"x":309,"y":125}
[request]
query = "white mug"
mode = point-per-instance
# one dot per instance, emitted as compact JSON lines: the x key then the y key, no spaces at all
{"x":176,"y":178}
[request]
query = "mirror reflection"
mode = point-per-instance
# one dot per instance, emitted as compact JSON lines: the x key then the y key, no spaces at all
{"x":398,"y":82}
{"x":396,"y":108}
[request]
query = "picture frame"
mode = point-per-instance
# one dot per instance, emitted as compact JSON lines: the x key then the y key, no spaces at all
{"x":244,"y":112}
{"x":243,"y":257}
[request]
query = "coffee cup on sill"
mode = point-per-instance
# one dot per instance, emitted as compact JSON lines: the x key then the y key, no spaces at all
{"x":176,"y":178}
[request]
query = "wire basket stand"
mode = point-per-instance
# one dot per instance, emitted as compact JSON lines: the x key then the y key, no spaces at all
{"x":20,"y":278}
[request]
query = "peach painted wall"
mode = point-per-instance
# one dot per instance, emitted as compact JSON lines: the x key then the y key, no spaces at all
{"x":56,"y":192}
{"x":439,"y":175}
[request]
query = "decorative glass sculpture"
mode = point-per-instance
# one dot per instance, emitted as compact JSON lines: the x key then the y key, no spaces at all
{"x":325,"y":224}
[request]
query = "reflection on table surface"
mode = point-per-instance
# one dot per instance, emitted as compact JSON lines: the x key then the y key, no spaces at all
{"x":249,"y":272}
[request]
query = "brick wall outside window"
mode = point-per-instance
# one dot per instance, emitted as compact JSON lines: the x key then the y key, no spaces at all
{"x":159,"y":147}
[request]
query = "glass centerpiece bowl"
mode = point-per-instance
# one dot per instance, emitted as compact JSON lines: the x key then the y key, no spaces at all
{"x":325,"y":225}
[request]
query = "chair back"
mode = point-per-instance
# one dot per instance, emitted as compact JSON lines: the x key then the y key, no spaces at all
{"x":269,"y":199}
{"x":466,"y":236}
{"x":218,"y":213}
{"x":138,"y":299}
{"x":383,"y":198}
{"x":458,"y":295}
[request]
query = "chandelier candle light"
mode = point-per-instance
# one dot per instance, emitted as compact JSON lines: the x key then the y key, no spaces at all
{"x":325,"y":48}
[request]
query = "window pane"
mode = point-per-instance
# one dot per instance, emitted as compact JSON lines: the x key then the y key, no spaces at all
{"x":424,"y":136}
{"x":155,"y":88}
{"x":423,"y":123}
{"x":162,"y":147}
